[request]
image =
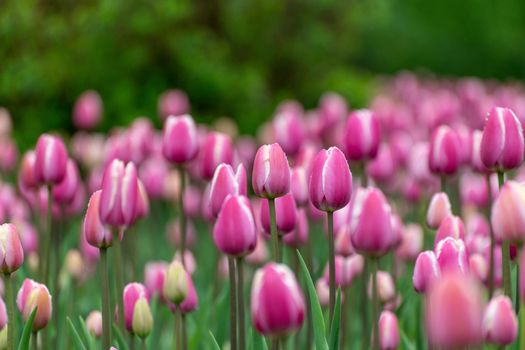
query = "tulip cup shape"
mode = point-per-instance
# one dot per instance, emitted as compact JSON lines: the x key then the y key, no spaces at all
{"x":11,"y":251}
{"x":271,"y":172}
{"x":175,"y":288}
{"x":132,"y":293}
{"x":95,"y":233}
{"x":452,"y":256}
{"x":426,"y":271}
{"x":500,"y":325}
{"x":65,"y":191}
{"x":87,"y":111}
{"x":285,"y":214}
{"x":216,"y":149}
{"x":35,"y":295}
{"x":179,"y":140}
{"x":444,"y":156}
{"x":362,"y":135}
{"x":508,"y":213}
{"x":438,"y":209}
{"x":226,"y":182}
{"x":299,"y":186}
{"x":94,"y":323}
{"x":50,"y":160}
{"x":388,"y":331}
{"x":451,"y":226}
{"x":277,"y":303}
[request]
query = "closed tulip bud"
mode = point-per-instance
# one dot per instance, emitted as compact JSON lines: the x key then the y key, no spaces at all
{"x":323,"y":291}
{"x":142,"y":207}
{"x":180,"y":142}
{"x":444,"y":155}
{"x":119,"y":196}
{"x":451,"y":226}
{"x":217,"y":149}
{"x":372,"y":229}
{"x":95,"y":232}
{"x":132,"y":293}
{"x":478,"y":267}
{"x":173,"y":102}
{"x":226,"y":182}
{"x":299,"y":236}
{"x":3,"y":314}
{"x":362,"y":135}
{"x":343,"y":242}
{"x":64,"y":192}
{"x":234,"y":231}
{"x":386,"y":289}
{"x":411,"y":243}
{"x":507,"y":216}
{"x":94,"y":323}
{"x":87,"y":111}
{"x":142,"y":322}
{"x":383,"y":167}
{"x":452,"y":255}
{"x":277,"y":303}
{"x":388,"y":331}
{"x":11,"y":251}
{"x":330,"y":183}
{"x":50,"y":160}
{"x":475,"y":160}
{"x":285,"y":213}
{"x":154,"y":275}
{"x":500,"y":326}
{"x":26,"y":176}
{"x":299,"y":186}
{"x":502,"y":142}
{"x":35,"y":295}
{"x":271,"y":172}
{"x":426,"y":271}
{"x":454,"y":311}
{"x":259,"y":255}
{"x":288,"y":128}
{"x":175,"y":287}
{"x":438,"y":210}
{"x":191,"y":302}
{"x":74,"y":264}
{"x":346,"y":269}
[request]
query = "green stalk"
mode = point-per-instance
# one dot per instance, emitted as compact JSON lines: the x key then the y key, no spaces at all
{"x":375,"y":305}
{"x":233,"y":304}
{"x":178,"y":329}
{"x":492,"y":241}
{"x":276,"y":251}
{"x":182,"y":217}
{"x":106,"y":310}
{"x":49,"y":237}
{"x":119,"y":283}
{"x":522,"y":327}
{"x":507,"y":283}
{"x":34,"y":340}
{"x":144,"y":346}
{"x":184,"y":333}
{"x":517,"y":304}
{"x":364,"y":304}
{"x":443,"y":183}
{"x":309,"y":331}
{"x":331,"y":265}
{"x":240,"y":304}
{"x":10,"y":298}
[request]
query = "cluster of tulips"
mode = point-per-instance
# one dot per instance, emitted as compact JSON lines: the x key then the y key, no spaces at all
{"x":419,"y":197}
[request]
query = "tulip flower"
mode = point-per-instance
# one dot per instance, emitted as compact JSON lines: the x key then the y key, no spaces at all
{"x":343,"y":242}
{"x":383,"y":167}
{"x":438,"y":210}
{"x":94,"y":323}
{"x":346,"y":270}
{"x":173,"y":102}
{"x":175,"y":287}
{"x":299,"y":186}
{"x":64,"y":192}
{"x":412,"y":242}
{"x":191,"y":301}
{"x":35,"y":295}
{"x":451,"y":226}
{"x":388,"y":331}
{"x":288,"y":129}
{"x":26,"y":175}
{"x":386,"y":290}
{"x":226,"y":182}
{"x":216,"y":149}
{"x":50,"y":160}
{"x":444,"y":155}
{"x":142,"y":322}
{"x":87,"y":111}
{"x":285,"y":214}
{"x":95,"y":232}
{"x":271,"y":172}
{"x":426,"y":271}
{"x":179,"y":143}
{"x":362,"y":135}
{"x":452,"y":255}
{"x":475,"y":161}
{"x":323,"y":291}
{"x":299,"y":236}
{"x":500,"y":325}
{"x":154,"y":275}
{"x":133,"y":292}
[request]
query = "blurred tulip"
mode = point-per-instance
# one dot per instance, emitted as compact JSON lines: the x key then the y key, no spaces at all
{"x":452,"y":255}
{"x":180,"y":144}
{"x":438,"y":209}
{"x":444,"y":155}
{"x":271,"y":172}
{"x":383,"y":167}
{"x":388,"y":331}
{"x":216,"y":149}
{"x":26,"y":175}
{"x":50,"y":160}
{"x":173,"y":102}
{"x":411,"y":243}
{"x":323,"y":291}
{"x":343,"y":242}
{"x":142,"y":321}
{"x":74,"y":264}
{"x":476,"y":162}
{"x":260,"y":254}
{"x":11,"y":251}
{"x":95,"y":232}
{"x":362,"y":135}
{"x":132,"y":293}
{"x":226,"y":182}
{"x":153,"y":174}
{"x":299,"y":186}
{"x":175,"y":287}
{"x":386,"y":289}
{"x":191,"y":301}
{"x":64,"y":192}
{"x":299,"y":236}
{"x":285,"y":213}
{"x":507,"y":216}
{"x":87,"y":111}
{"x":426,"y":271}
{"x":346,"y":270}
{"x":451,"y":226}
{"x":3,"y":315}
{"x":94,"y":323}
{"x":154,"y":275}
{"x":288,"y":129}
{"x":35,"y":295}
{"x":500,"y":325}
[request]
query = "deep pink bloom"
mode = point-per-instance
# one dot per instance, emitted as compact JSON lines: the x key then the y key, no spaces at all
{"x":362,"y":135}
{"x":95,"y":232}
{"x":271,"y":172}
{"x":452,"y":255}
{"x":330,"y":184}
{"x":500,"y":325}
{"x":35,"y":295}
{"x":508,"y":213}
{"x":26,"y":175}
{"x":451,"y":226}
{"x":173,"y":102}
{"x":288,"y":129}
{"x":382,"y":168}
{"x":131,"y":294}
{"x":346,"y":269}
{"x":234,"y":231}
{"x":50,"y":160}
{"x":179,"y":141}
{"x":277,"y":303}
{"x":502,"y":143}
{"x":388,"y":331}
{"x":285,"y":214}
{"x":299,"y":236}
{"x":226,"y":182}
{"x":444,"y":155}
{"x":11,"y":251}
{"x":216,"y":149}
{"x":438,"y":209}
{"x":475,"y":160}
{"x":154,"y":275}
{"x":87,"y":111}
{"x":64,"y":192}
{"x":426,"y":271}
{"x":299,"y":185}
{"x":191,"y":302}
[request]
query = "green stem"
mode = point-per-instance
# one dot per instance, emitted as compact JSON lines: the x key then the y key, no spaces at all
{"x":106,"y":310}
{"x":344,"y":320}
{"x":331,"y":264}
{"x":49,"y":237}
{"x":364,"y":177}
{"x":11,"y":329}
{"x":364,"y":304}
{"x":276,"y":253}
{"x":184,"y":333}
{"x":517,"y":303}
{"x":443,"y":180}
{"x":34,"y":340}
{"x":375,"y":305}
{"x":492,"y":240}
{"x":522,"y":327}
{"x":240,"y":304}
{"x":182,"y":216}
{"x":144,"y":346}
{"x":119,"y":283}
{"x":178,"y":329}
{"x":233,"y":304}
{"x":309,"y":262}
{"x":131,"y":342}
{"x":507,"y":283}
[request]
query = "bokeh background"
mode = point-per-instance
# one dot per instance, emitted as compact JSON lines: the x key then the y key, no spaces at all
{"x":237,"y":58}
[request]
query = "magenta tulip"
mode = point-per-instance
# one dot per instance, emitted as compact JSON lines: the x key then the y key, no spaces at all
{"x":180,"y":142}
{"x":35,"y":295}
{"x":216,"y":149}
{"x":50,"y":160}
{"x":173,"y":102}
{"x":508,"y":213}
{"x":95,"y":232}
{"x":87,"y":111}
{"x":64,"y":192}
{"x":362,"y":135}
{"x":132,"y":293}
{"x":452,"y":255}
{"x":451,"y":226}
{"x":500,"y":325}
{"x":285,"y":212}
{"x":388,"y":331}
{"x":444,"y":156}
{"x":226,"y":182}
{"x":271,"y":172}
{"x":426,"y":271}
{"x":438,"y":209}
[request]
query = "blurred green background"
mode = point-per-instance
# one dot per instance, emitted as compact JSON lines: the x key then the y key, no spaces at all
{"x":237,"y":58}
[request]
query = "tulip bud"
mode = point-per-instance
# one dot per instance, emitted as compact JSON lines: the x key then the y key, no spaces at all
{"x":217,"y":149}
{"x":383,"y":167}
{"x":454,"y":311}
{"x":426,"y":271}
{"x":388,"y":331}
{"x":444,"y":155}
{"x":275,"y":284}
{"x":180,"y":143}
{"x":507,"y":213}
{"x":64,"y":192}
{"x":323,"y":291}
{"x":271,"y":172}
{"x":285,"y":214}
{"x":226,"y":182}
{"x":475,"y":160}
{"x":191,"y":301}
{"x":94,"y":323}
{"x":478,"y":267}
{"x":3,"y":314}
{"x":372,"y":228}
{"x":299,"y":236}
{"x":153,"y":173}
{"x":95,"y":232}
{"x":142,"y":206}
{"x":131,"y":294}
{"x":451,"y":226}
{"x":438,"y":209}
{"x":362,"y":135}
{"x":288,"y":129}
{"x":412,"y":242}
{"x":502,"y":143}
{"x":3,"y":338}
{"x":35,"y":295}
{"x":75,"y":265}
{"x":26,"y":176}
{"x":500,"y":326}
{"x":299,"y":186}
{"x":173,"y":102}
{"x":234,"y":231}
{"x":87,"y":111}
{"x":259,"y":255}
{"x":142,"y":323}
{"x":386,"y":289}
{"x":154,"y":275}
{"x":50,"y":160}
{"x":175,"y":283}
{"x":343,"y":241}
{"x":11,"y":251}
{"x":330,"y":183}
{"x":452,"y":255}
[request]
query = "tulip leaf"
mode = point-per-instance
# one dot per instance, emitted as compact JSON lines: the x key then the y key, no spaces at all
{"x":407,"y":344}
{"x":317,"y":313}
{"x":26,"y":333}
{"x":259,"y":343}
{"x":76,"y":337}
{"x":122,"y":345}
{"x":336,"y":322}
{"x":214,"y":342}
{"x":88,"y":338}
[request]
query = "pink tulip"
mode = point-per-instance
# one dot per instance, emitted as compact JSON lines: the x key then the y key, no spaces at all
{"x":132,"y":293}
{"x":426,"y":271}
{"x":64,"y":192}
{"x":142,"y":206}
{"x":191,"y":302}
{"x":508,"y":217}
{"x":411,"y":243}
{"x":343,"y":241}
{"x":95,"y":232}
{"x":35,"y":295}
{"x":180,"y":143}
{"x":271,"y":172}
{"x":362,"y":135}
{"x":154,"y":275}
{"x":451,"y":226}
{"x":28,"y":236}
{"x":50,"y":160}
{"x":226,"y":182}
{"x":383,"y":167}
{"x":26,"y":176}
{"x":500,"y":325}
{"x":444,"y":156}
{"x":277,"y":303}
{"x":478,"y":267}
{"x":386,"y":289}
{"x":288,"y":129}
{"x":87,"y":111}
{"x":475,"y":161}
{"x":94,"y":323}
{"x":474,"y":190}
{"x":234,"y":231}
{"x":346,"y":270}
{"x":173,"y":102}
{"x":11,"y":251}
{"x":299,"y":185}
{"x":153,"y":174}
{"x":454,"y":311}
{"x":452,"y":255}
{"x":372,"y":229}
{"x":502,"y":143}
{"x":332,"y":110}
{"x":330,"y":183}
{"x":299,"y":236}
{"x":323,"y":291}
{"x":3,"y":314}
{"x":388,"y":331}
{"x":8,"y":154}
{"x":216,"y":149}
{"x":438,"y":209}
{"x":285,"y":213}
{"x":119,"y":196}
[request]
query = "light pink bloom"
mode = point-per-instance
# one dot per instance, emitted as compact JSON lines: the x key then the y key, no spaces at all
{"x":271,"y":172}
{"x":180,"y":143}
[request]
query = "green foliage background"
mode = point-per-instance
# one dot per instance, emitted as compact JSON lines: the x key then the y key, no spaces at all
{"x":237,"y":57}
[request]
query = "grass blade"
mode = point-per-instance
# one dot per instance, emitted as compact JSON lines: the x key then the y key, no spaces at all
{"x":214,"y":342}
{"x":26,"y":333}
{"x":122,"y":345}
{"x":336,"y":322}
{"x":259,"y":343}
{"x":88,"y":338}
{"x":76,"y":337}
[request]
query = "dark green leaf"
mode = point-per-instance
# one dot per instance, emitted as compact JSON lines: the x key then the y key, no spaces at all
{"x":122,"y":345}
{"x":26,"y":333}
{"x":79,"y":345}
{"x":336,"y":322}
{"x":259,"y":343}
{"x":87,"y":337}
